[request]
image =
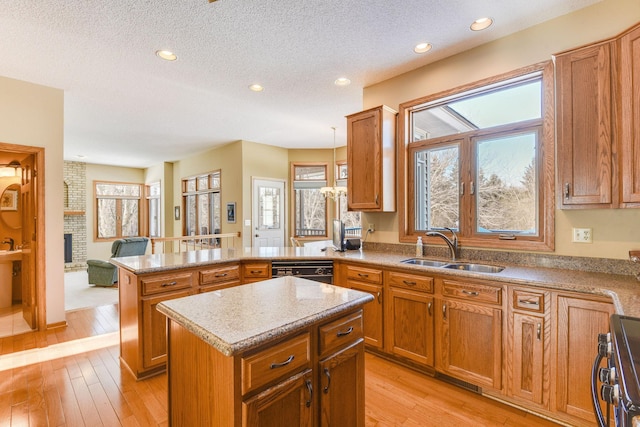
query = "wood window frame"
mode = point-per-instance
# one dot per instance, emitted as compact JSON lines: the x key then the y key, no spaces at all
{"x":142,"y":223}
{"x":546,"y":168}
{"x":293,"y":166}
{"x":198,"y":191}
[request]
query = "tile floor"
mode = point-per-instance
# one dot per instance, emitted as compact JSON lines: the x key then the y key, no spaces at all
{"x":11,"y":321}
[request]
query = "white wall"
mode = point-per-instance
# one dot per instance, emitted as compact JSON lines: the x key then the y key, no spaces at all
{"x":33,"y":115}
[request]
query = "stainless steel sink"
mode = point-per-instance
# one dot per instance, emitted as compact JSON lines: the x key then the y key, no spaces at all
{"x":478,"y":268}
{"x":424,"y":262}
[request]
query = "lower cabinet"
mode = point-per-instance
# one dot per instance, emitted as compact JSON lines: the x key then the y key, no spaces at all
{"x":340,"y":388}
{"x":579,"y":321}
{"x":469,"y":334}
{"x":409,"y":312}
{"x":368,"y":280}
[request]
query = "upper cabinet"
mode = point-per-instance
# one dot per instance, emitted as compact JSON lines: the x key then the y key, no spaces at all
{"x":583,"y":81}
{"x":629,"y":90}
{"x":598,"y":104}
{"x":371,"y":160}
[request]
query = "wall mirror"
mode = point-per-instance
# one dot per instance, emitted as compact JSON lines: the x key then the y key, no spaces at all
{"x":10,"y":207}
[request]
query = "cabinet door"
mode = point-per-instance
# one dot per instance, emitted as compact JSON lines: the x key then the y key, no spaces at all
{"x":288,"y":403}
{"x":341,"y":388}
{"x":471,"y":342}
{"x":372,"y":313}
{"x":528,"y":355}
{"x":410,"y":325}
{"x":585,"y":127}
{"x":154,"y":330}
{"x":371,"y":160}
{"x":629,"y":93}
{"x":579,"y":323}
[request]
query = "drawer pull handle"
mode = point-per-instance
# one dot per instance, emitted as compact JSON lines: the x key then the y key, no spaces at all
{"x":470,"y":293}
{"x":256,"y":271}
{"x":310,"y":389}
{"x":527,"y":302}
{"x":363,"y":275}
{"x":281,"y":364}
{"x":221,"y":275}
{"x":409,"y":283}
{"x":347,"y":332}
{"x":164,"y":285}
{"x":328,"y":375}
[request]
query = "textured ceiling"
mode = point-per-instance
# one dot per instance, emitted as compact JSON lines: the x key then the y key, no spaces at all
{"x":124,"y":106}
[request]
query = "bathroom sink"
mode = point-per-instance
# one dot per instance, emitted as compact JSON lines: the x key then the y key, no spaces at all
{"x":423,"y":262}
{"x":478,"y":268}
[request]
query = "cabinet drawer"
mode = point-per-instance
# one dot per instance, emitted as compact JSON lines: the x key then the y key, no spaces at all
{"x":472,"y":291}
{"x":275,"y":362}
{"x":165,"y":283}
{"x":528,"y":300}
{"x":363,"y":274}
{"x":340,"y":333}
{"x":219,"y":275}
{"x":410,"y":281}
{"x":256,"y":270}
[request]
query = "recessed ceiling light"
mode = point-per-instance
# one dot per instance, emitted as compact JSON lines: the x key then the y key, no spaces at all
{"x":167,"y":55}
{"x":342,"y":81}
{"x":481,"y":24}
{"x":256,"y":87}
{"x":422,"y":47}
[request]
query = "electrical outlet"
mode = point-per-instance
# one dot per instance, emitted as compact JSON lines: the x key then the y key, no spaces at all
{"x":582,"y":235}
{"x":372,"y":228}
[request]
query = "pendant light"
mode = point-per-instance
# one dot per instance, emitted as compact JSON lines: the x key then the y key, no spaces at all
{"x":334,"y":192}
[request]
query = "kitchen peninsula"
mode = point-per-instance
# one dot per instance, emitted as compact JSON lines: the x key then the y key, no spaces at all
{"x":532,"y":328}
{"x":285,"y":351}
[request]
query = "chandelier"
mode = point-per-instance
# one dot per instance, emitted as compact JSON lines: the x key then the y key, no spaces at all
{"x":334,"y":192}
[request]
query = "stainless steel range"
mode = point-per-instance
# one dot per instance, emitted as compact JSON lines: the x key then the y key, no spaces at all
{"x":620,"y":379}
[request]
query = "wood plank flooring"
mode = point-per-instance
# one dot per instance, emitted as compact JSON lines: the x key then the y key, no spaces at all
{"x":89,"y":388}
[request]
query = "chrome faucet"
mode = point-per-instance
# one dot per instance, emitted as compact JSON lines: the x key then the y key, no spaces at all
{"x":452,"y":243}
{"x":8,"y":241}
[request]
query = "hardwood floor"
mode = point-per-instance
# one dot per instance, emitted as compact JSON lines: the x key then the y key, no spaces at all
{"x":77,"y":387}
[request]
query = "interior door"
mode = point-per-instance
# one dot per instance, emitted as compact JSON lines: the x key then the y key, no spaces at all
{"x":268,"y":213}
{"x":29,"y":240}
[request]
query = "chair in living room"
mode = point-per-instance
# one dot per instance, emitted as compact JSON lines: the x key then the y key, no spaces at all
{"x":103,"y":273}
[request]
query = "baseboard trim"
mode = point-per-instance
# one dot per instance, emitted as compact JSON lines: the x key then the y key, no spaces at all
{"x":57,"y":325}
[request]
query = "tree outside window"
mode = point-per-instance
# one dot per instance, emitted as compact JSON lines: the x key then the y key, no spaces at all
{"x":117,"y":210}
{"x":153,"y":209}
{"x":201,"y":199}
{"x":310,"y":206}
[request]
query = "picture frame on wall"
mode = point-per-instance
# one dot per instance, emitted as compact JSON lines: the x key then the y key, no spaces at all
{"x":9,"y":200}
{"x":231,"y":212}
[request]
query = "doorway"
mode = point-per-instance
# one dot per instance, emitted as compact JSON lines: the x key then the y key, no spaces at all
{"x":268,"y":213}
{"x":22,"y":234}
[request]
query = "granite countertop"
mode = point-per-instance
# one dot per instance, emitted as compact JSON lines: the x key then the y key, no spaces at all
{"x":624,"y":290}
{"x":240,"y":318}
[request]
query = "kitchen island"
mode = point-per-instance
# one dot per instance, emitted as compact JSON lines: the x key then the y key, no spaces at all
{"x":285,"y":351}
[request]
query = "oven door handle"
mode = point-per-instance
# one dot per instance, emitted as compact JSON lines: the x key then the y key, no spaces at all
{"x":594,"y":392}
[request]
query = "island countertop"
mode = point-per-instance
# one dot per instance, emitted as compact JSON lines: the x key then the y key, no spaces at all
{"x":237,"y":319}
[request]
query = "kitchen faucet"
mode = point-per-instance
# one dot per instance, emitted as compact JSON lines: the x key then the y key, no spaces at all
{"x":8,"y":241}
{"x":452,"y":243}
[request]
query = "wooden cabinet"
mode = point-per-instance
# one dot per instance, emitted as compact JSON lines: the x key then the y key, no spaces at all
{"x":469,"y":332}
{"x":579,"y":321}
{"x":585,"y":150}
{"x":409,"y":330}
{"x":528,"y":346}
{"x":341,"y":372}
{"x":629,"y":96}
{"x":371,"y":160}
{"x":143,"y":330}
{"x":315,"y":378}
{"x":255,"y":271}
{"x":218,"y":277}
{"x":368,"y":280}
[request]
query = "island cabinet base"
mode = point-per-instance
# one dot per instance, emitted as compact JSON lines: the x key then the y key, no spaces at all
{"x":311,"y":377}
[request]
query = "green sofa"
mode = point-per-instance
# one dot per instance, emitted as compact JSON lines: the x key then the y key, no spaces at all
{"x":103,"y":273}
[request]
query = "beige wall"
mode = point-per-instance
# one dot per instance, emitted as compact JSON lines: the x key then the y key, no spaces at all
{"x":615,"y":231}
{"x":33,"y":115}
{"x":102,"y":250}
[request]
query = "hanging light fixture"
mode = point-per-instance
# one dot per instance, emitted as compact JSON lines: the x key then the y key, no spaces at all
{"x":12,"y":168}
{"x":334,"y":192}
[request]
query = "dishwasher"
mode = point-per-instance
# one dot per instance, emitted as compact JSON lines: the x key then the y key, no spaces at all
{"x":319,"y":271}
